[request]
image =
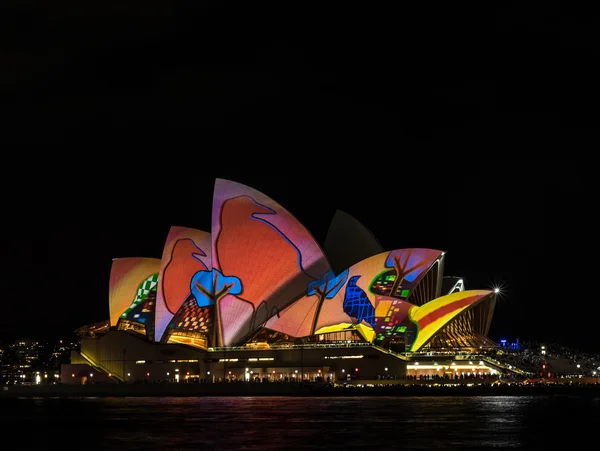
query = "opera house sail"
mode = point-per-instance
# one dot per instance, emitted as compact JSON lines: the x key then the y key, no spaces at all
{"x":260,"y":278}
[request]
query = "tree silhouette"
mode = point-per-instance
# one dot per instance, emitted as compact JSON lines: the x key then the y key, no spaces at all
{"x":399,"y":261}
{"x":325,"y":288}
{"x":210,"y":286}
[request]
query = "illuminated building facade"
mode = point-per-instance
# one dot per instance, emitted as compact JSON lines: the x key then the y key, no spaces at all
{"x":259,"y":287}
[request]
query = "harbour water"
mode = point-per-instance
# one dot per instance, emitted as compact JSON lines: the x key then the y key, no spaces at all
{"x":292,"y":423}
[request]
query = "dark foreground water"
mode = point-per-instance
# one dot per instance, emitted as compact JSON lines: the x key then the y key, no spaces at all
{"x":281,"y":423}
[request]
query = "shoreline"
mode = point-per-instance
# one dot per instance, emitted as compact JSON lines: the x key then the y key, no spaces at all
{"x":228,"y":390}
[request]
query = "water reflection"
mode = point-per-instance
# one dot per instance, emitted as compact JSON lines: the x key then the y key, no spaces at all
{"x":280,"y":423}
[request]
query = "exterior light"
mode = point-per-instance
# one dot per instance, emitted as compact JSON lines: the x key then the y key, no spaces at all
{"x":343,"y":371}
{"x":147,"y":374}
{"x":128,"y":374}
{"x":496,"y":290}
{"x":273,"y":371}
{"x":72,"y":375}
{"x":91,"y":375}
{"x":297,"y":371}
{"x":385,"y":369}
{"x":167,"y":373}
{"x":208,"y":372}
{"x":109,"y":374}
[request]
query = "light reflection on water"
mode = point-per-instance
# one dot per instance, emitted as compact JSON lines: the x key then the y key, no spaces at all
{"x":282,"y":423}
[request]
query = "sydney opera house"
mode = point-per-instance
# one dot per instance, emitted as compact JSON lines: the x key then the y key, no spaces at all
{"x":258,"y":297}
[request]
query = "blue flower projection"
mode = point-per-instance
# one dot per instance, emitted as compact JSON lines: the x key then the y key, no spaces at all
{"x":329,"y":285}
{"x":209,"y":286}
{"x":357,"y":303}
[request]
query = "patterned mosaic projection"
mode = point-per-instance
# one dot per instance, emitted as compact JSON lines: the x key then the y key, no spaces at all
{"x":186,"y":256}
{"x":141,"y":310}
{"x":127,"y":277}
{"x":271,"y":255}
{"x":360,"y":295}
{"x":140,"y":304}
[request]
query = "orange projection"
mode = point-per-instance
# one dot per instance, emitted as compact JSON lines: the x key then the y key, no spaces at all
{"x":126,"y":275}
{"x":297,"y":319}
{"x":364,"y":296}
{"x":271,"y":254}
{"x":186,"y":252}
{"x":377,"y":280}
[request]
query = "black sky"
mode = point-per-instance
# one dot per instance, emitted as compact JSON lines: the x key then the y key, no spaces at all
{"x":451,"y":127}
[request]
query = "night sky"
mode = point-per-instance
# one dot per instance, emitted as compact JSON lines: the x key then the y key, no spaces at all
{"x":449,"y":127}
